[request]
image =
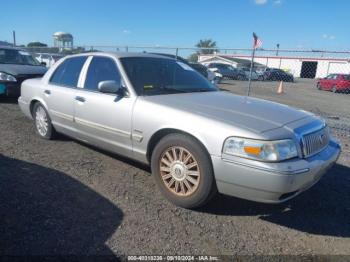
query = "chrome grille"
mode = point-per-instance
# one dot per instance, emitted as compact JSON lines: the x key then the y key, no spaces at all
{"x":315,"y":142}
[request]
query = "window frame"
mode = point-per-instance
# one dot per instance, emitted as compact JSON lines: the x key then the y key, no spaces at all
{"x":86,"y":70}
{"x":59,"y":65}
{"x":130,"y":92}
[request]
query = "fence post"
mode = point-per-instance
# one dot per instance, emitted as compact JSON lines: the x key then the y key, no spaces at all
{"x":127,"y":49}
{"x":250,"y":72}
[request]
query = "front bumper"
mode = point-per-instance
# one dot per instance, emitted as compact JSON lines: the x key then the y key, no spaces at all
{"x":10,"y":89}
{"x":275,"y":182}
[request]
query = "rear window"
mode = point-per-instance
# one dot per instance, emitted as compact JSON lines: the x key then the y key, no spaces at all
{"x":346,"y":77}
{"x":17,"y":57}
{"x":67,"y":74}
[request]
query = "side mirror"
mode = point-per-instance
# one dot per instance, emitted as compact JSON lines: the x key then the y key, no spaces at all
{"x":43,"y":63}
{"x":109,"y":87}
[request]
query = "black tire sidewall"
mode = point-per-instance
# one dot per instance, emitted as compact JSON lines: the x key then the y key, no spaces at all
{"x":207,"y":186}
{"x":50,"y":131}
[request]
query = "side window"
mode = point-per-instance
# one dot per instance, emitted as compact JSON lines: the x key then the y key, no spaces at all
{"x":101,"y":69}
{"x":67,"y":74}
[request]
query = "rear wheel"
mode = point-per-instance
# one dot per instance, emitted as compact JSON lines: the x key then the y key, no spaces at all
{"x":183,"y":172}
{"x":334,"y":89}
{"x":42,"y":122}
{"x":318,"y":86}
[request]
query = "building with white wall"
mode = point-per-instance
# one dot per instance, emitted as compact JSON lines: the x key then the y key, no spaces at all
{"x":305,"y":67}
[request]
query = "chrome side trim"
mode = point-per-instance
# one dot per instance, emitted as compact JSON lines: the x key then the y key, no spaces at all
{"x":283,"y":172}
{"x":137,"y":136}
{"x":102,"y":127}
{"x":62,"y":115}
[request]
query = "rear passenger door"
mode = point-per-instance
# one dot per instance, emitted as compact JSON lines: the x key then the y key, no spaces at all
{"x":59,"y":93}
{"x":103,"y":119}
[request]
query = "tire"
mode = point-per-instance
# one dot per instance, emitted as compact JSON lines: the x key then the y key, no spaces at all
{"x":42,"y":122}
{"x":183,"y":185}
{"x":240,"y":78}
{"x":334,"y":89}
{"x":318,"y":86}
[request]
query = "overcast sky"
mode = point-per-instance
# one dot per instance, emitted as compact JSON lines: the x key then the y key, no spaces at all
{"x":291,"y":23}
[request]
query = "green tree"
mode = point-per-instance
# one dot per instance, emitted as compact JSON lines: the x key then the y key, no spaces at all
{"x":193,"y":57}
{"x":207,"y":43}
{"x":36,"y":44}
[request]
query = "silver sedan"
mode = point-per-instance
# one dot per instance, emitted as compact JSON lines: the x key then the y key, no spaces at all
{"x":197,"y":139}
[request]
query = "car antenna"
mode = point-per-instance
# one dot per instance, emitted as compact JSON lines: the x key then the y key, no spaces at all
{"x":176,"y":54}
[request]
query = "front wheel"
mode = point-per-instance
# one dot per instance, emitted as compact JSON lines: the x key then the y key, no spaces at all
{"x":42,"y":122}
{"x":183,"y":172}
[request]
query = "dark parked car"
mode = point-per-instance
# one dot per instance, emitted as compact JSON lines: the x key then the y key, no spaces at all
{"x":335,"y":83}
{"x":200,"y":68}
{"x":275,"y":74}
{"x":229,"y":71}
{"x":17,"y":65}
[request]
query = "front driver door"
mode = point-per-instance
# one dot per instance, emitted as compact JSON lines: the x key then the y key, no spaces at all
{"x":103,"y":119}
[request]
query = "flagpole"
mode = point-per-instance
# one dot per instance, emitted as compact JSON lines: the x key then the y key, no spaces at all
{"x":251,"y":71}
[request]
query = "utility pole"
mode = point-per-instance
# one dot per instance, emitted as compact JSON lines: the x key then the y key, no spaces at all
{"x":278,"y":48}
{"x":14,"y":37}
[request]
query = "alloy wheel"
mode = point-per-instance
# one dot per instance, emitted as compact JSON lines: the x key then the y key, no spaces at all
{"x":179,"y":171}
{"x":41,"y":121}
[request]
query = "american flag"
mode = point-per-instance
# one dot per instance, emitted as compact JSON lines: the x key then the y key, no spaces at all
{"x":257,"y":42}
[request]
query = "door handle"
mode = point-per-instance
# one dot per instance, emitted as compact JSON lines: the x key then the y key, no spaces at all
{"x":47,"y":92}
{"x":80,"y":99}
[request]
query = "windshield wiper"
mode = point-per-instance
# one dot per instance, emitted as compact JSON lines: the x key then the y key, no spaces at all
{"x":200,"y":90}
{"x":173,"y":89}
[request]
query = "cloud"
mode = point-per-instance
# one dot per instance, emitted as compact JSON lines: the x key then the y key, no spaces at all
{"x":260,"y":2}
{"x":328,"y":37}
{"x":277,"y":2}
{"x":127,"y":32}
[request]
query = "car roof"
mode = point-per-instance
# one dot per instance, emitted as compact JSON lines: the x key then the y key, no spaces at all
{"x":122,"y":54}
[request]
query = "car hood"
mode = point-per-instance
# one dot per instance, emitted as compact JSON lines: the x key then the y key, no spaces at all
{"x":254,"y":114}
{"x":22,"y":69}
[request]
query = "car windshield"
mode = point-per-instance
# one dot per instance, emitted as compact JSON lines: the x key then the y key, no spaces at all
{"x":17,"y":57}
{"x":157,"y":76}
{"x":227,"y":67}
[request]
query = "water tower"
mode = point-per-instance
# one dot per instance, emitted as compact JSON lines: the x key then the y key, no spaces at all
{"x":63,"y":40}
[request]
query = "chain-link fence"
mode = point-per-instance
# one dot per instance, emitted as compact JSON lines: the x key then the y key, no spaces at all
{"x":314,"y":80}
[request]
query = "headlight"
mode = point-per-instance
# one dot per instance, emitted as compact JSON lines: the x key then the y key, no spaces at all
{"x":271,"y":151}
{"x":7,"y":78}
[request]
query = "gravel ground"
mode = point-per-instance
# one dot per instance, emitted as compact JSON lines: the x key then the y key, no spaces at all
{"x":62,"y":197}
